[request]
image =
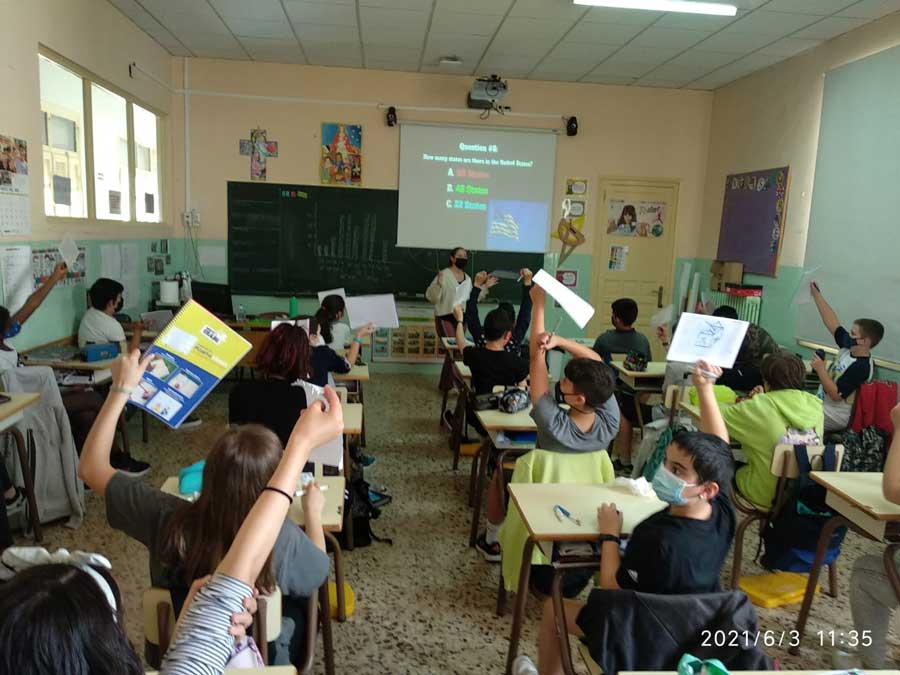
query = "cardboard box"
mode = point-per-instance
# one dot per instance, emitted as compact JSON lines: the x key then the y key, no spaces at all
{"x":723,"y":273}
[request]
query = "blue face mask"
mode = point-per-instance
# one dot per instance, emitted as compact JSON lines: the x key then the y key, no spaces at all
{"x":669,"y":487}
{"x":14,"y":329}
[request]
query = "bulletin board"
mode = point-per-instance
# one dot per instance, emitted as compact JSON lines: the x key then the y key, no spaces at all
{"x":753,"y":219}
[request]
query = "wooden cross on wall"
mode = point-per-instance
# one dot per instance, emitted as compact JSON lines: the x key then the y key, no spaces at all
{"x":258,"y":148}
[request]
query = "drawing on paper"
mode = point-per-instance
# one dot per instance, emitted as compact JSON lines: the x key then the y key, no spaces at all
{"x":710,"y":335}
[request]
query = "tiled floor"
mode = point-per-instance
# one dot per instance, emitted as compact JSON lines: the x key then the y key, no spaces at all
{"x":426,"y":604}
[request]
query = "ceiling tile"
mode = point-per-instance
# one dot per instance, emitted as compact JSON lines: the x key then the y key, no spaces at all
{"x":681,"y":73}
{"x":608,"y":79}
{"x":475,"y":6}
{"x":736,"y":43}
{"x":603,"y":33}
{"x":621,"y":69}
{"x":789,"y":46}
{"x":817,"y":7}
{"x":697,"y":21}
{"x":771,"y":23}
{"x":456,"y":43}
{"x":830,"y":27}
{"x":577,"y":67}
{"x":417,"y":5}
{"x":392,"y":54}
{"x":158,"y":7}
{"x":582,"y":51}
{"x":504,"y":63}
{"x":677,"y":38}
{"x":448,"y":21}
{"x":188,"y":24}
{"x":321,"y":12}
{"x":278,"y":30}
{"x":635,"y":17}
{"x":401,"y":37}
{"x":548,"y":9}
{"x":333,"y":53}
{"x":276,"y":51}
{"x":326,"y":32}
{"x":747,"y":4}
{"x":702,"y":57}
{"x":649,"y":55}
{"x":489,"y":68}
{"x":195,"y":41}
{"x":263,"y":10}
{"x":554,"y":76}
{"x":662,"y":84}
{"x":871,"y":9}
{"x":220,"y":53}
{"x":526,"y":28}
{"x":376,"y":19}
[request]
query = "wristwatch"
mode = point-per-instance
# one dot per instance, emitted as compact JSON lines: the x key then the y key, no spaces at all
{"x":609,"y":537}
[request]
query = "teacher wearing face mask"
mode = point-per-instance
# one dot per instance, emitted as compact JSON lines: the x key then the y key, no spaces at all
{"x":450,"y":287}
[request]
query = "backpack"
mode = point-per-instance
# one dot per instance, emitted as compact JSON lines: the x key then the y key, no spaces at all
{"x":863,"y":451}
{"x":791,"y":537}
{"x":635,"y":362}
{"x":512,"y":400}
{"x":362,"y":511}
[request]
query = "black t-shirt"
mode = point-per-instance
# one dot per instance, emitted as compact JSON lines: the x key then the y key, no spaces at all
{"x":491,"y":368}
{"x":275,"y":404}
{"x":673,"y":555}
{"x":324,"y":360}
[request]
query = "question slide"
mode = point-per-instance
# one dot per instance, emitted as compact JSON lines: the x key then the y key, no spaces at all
{"x":485,"y":189}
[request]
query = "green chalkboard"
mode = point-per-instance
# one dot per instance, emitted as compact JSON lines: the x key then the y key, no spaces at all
{"x":300,"y":239}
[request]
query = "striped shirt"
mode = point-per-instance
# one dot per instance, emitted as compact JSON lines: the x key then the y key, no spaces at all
{"x":202,"y":644}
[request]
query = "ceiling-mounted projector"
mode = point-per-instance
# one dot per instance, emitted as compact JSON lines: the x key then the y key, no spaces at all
{"x":487,"y":92}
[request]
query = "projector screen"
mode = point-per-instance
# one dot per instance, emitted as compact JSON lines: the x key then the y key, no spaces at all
{"x":485,"y":189}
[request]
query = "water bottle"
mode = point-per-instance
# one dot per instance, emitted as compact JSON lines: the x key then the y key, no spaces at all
{"x":241,"y":314}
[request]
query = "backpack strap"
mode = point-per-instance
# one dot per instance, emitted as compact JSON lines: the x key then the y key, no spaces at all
{"x":829,"y":458}
{"x":803,"y":465}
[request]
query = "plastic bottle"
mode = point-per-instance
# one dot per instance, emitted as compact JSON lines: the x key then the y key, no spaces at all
{"x":241,"y":314}
{"x":294,"y":307}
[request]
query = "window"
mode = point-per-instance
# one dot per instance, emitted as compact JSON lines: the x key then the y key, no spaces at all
{"x":146,"y":161}
{"x":62,"y":102}
{"x":113,"y":172}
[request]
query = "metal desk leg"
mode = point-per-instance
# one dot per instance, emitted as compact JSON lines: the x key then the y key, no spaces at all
{"x":456,"y":433}
{"x":519,"y":611}
{"x":485,"y":458}
{"x":473,"y":471}
{"x":562,"y":631}
{"x":28,"y":477}
{"x":338,"y":576}
{"x":325,"y":617}
{"x":821,"y":549}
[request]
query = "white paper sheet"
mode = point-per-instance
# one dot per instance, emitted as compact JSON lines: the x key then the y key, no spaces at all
{"x":110,"y":261}
{"x":684,"y":281}
{"x":303,"y":323}
{"x":577,"y":308}
{"x":131,"y":296}
{"x":212,"y":256}
{"x":714,"y":339}
{"x":380,"y":310}
{"x":662,"y":318}
{"x":15,"y":216}
{"x":333,"y":291}
{"x":68,"y":249}
{"x":802,"y":296}
{"x":18,"y":280}
{"x":332,"y":452}
{"x":130,"y":260}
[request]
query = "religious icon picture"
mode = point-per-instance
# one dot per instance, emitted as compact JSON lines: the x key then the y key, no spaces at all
{"x":341,"y":161}
{"x":258,"y":148}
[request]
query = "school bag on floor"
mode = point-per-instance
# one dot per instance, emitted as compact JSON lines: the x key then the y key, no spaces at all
{"x":791,"y":537}
{"x":362,"y":511}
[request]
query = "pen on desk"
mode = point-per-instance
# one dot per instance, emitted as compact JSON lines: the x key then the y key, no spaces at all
{"x":561,"y":513}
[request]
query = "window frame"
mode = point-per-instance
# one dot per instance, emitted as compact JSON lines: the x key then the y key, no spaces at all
{"x":87,"y":79}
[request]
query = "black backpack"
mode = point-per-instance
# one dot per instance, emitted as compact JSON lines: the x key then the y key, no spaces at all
{"x":792,"y":536}
{"x":362,"y":511}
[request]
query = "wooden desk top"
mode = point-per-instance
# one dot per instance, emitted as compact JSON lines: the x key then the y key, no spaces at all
{"x":863,"y":490}
{"x":464,"y":371}
{"x":494,"y":420}
{"x":655,"y":369}
{"x":18,"y":401}
{"x":535,"y":502}
{"x":332,"y":514}
{"x":450,"y":343}
{"x":353,"y":418}
{"x":356,"y":374}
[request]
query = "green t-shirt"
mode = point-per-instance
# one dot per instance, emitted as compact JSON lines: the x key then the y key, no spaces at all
{"x":758,"y":424}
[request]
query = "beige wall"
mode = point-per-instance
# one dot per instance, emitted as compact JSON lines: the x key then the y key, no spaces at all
{"x":622,"y":131}
{"x":770,"y":119}
{"x":98,"y":38}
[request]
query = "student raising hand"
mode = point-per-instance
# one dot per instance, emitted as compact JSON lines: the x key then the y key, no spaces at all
{"x":705,"y":374}
{"x":313,"y":505}
{"x":527,"y":276}
{"x":711,"y":422}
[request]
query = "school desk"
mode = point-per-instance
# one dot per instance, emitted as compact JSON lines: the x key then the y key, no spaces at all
{"x":859,"y":504}
{"x":650,"y":380}
{"x":11,"y":413}
{"x":264,"y":670}
{"x":452,"y":354}
{"x":535,"y":502}
{"x":332,"y":521}
{"x":462,"y":382}
{"x":493,"y":422}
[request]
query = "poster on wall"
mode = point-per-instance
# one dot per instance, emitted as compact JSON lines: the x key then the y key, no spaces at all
{"x":43,"y":260}
{"x":753,"y":219}
{"x":258,"y":148}
{"x":618,"y":257}
{"x":574,"y":209}
{"x":341,"y":161}
{"x":15,"y":265}
{"x":636,"y":219}
{"x":576,"y":186}
{"x":14,"y":214}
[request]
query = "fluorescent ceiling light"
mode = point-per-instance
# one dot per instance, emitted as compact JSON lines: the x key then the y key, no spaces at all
{"x":686,"y":6}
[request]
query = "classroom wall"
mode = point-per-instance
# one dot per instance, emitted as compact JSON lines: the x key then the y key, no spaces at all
{"x":635,"y":132}
{"x":769,"y":119}
{"x":97,"y":37}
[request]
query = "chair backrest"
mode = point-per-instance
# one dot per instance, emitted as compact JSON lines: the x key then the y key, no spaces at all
{"x":784,"y":461}
{"x":342,"y":394}
{"x":672,"y":393}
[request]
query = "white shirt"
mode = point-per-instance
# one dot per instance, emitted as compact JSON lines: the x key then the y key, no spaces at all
{"x":99,"y":328}
{"x":450,"y":292}
{"x":8,"y":359}
{"x":340,"y":333}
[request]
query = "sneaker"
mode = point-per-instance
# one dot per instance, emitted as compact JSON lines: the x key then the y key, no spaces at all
{"x":490,"y":552}
{"x":17,"y":502}
{"x":190,"y":422}
{"x":524,"y":666}
{"x":367,"y":460}
{"x":130,"y":465}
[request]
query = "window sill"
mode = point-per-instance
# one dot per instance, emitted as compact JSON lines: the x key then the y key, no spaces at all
{"x":98,"y":226}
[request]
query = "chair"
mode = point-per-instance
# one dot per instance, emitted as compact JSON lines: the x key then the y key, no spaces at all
{"x":273,"y":404}
{"x":784,"y":466}
{"x":159,"y":625}
{"x":27,"y":455}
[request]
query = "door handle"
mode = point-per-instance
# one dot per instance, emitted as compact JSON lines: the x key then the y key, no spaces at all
{"x":659,"y":295}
